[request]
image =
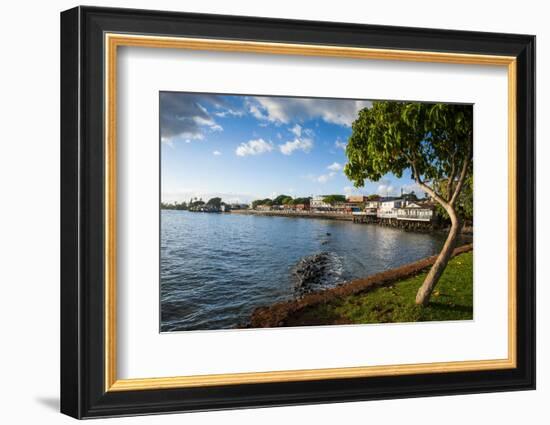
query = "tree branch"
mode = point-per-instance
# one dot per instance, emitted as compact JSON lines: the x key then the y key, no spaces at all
{"x":450,"y":182}
{"x":462,"y":177}
{"x":428,"y":189}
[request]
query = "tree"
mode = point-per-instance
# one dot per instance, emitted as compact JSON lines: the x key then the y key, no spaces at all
{"x":279,"y":200}
{"x":287,"y":201}
{"x":215,"y":202}
{"x":196,"y":202}
{"x":409,"y":196}
{"x":298,"y":201}
{"x":265,"y":201}
{"x":334,"y":199}
{"x":464,"y":204}
{"x":174,"y":206}
{"x":431,"y":141}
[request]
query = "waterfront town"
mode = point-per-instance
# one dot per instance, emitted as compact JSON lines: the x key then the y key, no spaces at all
{"x":405,"y":211}
{"x":353,"y":244}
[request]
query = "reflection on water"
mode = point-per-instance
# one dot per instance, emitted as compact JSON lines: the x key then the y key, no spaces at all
{"x":217,"y":268}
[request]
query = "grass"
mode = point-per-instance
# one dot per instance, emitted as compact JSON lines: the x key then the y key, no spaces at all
{"x":452,"y":299}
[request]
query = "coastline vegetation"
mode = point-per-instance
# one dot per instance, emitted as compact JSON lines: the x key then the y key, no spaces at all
{"x":280,"y":200}
{"x":333,"y":199}
{"x":193,"y":205}
{"x":179,"y":206}
{"x":452,"y":300}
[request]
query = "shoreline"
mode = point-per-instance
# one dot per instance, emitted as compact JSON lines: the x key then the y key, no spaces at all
{"x":467,"y":231}
{"x":326,"y":216}
{"x":277,"y":315}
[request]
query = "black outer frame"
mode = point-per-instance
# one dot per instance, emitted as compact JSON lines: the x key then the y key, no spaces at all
{"x":82,"y":214}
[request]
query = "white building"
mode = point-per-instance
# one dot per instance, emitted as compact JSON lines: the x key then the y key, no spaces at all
{"x":318,"y":203}
{"x":371,"y":207}
{"x":388,"y":208}
{"x":416,"y":212}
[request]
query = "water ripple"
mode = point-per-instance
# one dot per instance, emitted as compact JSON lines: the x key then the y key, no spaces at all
{"x":216,"y":268}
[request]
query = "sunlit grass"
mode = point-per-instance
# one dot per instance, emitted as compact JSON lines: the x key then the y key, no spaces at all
{"x":451,"y":300}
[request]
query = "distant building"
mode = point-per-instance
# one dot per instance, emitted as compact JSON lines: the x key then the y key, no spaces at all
{"x":339,"y":207}
{"x":388,"y":207}
{"x":318,"y":203}
{"x":372,"y":204}
{"x":354,"y":203}
{"x":356,"y":199}
{"x":371,"y":207}
{"x":416,"y":211}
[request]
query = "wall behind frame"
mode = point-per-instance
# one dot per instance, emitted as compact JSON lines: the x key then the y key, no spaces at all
{"x":29,"y":217}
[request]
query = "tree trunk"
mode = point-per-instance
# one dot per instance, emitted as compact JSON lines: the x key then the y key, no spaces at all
{"x":425,"y":291}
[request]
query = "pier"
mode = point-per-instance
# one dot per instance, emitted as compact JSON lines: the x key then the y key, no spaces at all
{"x":395,"y":222}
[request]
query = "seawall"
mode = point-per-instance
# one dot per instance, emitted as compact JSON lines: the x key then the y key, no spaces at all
{"x":408,"y":226}
{"x":277,"y":314}
{"x":326,"y":216}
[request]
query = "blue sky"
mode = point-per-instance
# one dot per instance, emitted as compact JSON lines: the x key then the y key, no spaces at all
{"x":243,"y":148}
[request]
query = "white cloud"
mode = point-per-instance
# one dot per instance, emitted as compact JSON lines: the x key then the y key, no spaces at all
{"x":408,"y":188}
{"x":297,"y":130}
{"x":304,"y":145}
{"x":254,"y":147}
{"x":351,"y":190}
{"x":256,"y":111}
{"x":339,"y":144}
{"x":190,"y":138}
{"x":183,"y":116}
{"x":385,"y":189}
{"x":283,"y":110}
{"x":335,"y":166}
{"x":206,"y":120}
{"x":229,"y":112}
{"x":216,"y":153}
{"x":326,"y":177}
{"x":323,"y":178}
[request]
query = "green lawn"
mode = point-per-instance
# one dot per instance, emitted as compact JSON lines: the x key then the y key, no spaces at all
{"x":451,"y":300}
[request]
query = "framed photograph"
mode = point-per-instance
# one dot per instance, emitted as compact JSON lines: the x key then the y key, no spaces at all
{"x":261,"y":212}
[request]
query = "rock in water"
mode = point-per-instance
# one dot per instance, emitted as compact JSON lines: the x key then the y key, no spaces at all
{"x":312,"y":272}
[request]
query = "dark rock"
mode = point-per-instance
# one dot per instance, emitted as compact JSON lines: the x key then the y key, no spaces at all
{"x":311,"y":270}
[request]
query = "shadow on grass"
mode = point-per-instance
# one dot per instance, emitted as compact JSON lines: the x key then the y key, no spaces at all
{"x":447,"y":307}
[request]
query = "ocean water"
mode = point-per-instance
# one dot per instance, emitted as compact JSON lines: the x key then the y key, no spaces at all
{"x":217,"y":268}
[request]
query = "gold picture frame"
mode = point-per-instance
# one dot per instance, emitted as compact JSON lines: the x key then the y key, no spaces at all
{"x":114,"y":41}
{"x":91,"y":39}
